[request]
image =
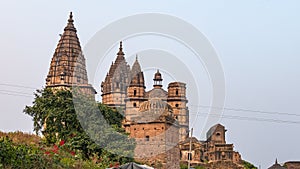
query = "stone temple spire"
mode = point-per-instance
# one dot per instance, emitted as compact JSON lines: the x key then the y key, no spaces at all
{"x":67,"y":67}
{"x":120,"y":54}
{"x":115,"y":85}
{"x":137,"y":76}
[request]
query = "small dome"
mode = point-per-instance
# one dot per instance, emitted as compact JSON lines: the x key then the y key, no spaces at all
{"x":157,"y":76}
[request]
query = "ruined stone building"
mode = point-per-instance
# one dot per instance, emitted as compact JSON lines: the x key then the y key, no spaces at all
{"x":124,"y":87}
{"x":213,"y":149}
{"x":157,"y":119}
{"x":156,"y":133}
{"x":67,"y":67}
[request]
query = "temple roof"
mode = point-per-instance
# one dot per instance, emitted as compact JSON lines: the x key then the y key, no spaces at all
{"x":137,"y":76}
{"x":136,"y":67}
{"x":212,"y":130}
{"x":67,"y":66}
{"x":118,"y":75}
{"x":276,"y":166}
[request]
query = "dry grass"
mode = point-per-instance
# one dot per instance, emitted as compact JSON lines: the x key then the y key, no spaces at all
{"x":19,"y":137}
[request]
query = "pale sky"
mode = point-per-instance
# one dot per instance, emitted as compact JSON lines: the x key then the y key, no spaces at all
{"x":257,"y":42}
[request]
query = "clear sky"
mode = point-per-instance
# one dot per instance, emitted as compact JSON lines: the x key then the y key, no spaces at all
{"x":257,"y":42}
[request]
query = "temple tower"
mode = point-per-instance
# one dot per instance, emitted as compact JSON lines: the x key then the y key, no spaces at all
{"x":114,"y":87}
{"x":135,"y":91}
{"x":67,"y":67}
{"x":177,"y":99}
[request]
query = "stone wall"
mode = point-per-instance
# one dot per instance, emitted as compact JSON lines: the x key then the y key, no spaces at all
{"x":292,"y":165}
{"x":156,"y":144}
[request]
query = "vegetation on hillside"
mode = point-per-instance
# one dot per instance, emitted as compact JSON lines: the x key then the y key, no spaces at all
{"x":77,"y":132}
{"x":20,"y":137}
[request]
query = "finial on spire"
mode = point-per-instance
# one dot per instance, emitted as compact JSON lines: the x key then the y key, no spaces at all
{"x":121,"y":46}
{"x":136,"y":57}
{"x":276,"y":162}
{"x":121,"y":49}
{"x":70,"y":25}
{"x":71,"y":17}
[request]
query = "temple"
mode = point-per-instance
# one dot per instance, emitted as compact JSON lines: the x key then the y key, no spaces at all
{"x":67,"y":67}
{"x":124,"y":87}
{"x":158,"y":119}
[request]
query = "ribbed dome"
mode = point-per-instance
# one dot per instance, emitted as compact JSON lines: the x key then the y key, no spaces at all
{"x":155,"y":105}
{"x":154,"y":110}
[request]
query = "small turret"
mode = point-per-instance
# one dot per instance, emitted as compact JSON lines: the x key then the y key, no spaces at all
{"x":157,"y":80}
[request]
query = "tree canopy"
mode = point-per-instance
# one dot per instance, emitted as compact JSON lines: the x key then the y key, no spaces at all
{"x":89,"y":127}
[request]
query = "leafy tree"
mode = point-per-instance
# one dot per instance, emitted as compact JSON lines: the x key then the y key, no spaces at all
{"x":89,"y":127}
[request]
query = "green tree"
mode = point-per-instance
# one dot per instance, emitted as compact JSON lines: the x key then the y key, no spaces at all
{"x":87,"y":126}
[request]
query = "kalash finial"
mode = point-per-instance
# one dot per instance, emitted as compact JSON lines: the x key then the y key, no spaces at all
{"x":121,"y":46}
{"x":71,"y":17}
{"x":121,"y":49}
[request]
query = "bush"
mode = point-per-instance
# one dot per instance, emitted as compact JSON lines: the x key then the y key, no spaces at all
{"x":248,"y":165}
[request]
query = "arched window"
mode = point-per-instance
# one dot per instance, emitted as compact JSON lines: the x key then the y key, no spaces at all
{"x":190,"y":156}
{"x":176,"y":92}
{"x":134,"y":93}
{"x":134,"y":104}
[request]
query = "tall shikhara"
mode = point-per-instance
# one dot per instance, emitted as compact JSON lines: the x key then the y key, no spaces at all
{"x":67,"y":67}
{"x":114,"y":87}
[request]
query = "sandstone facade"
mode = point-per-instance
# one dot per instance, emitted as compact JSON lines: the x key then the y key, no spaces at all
{"x":157,"y":119}
{"x":67,"y":67}
{"x":214,"y":149}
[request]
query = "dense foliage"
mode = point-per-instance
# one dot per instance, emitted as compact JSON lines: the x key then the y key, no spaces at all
{"x":90,"y":129}
{"x":18,"y":156}
{"x":248,"y":165}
